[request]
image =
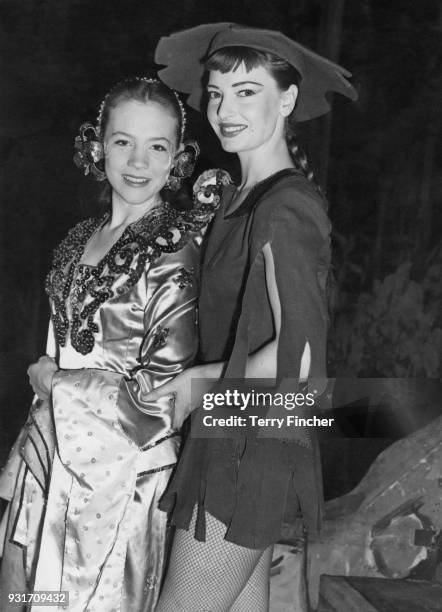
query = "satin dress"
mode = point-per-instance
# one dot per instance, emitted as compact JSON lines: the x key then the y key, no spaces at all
{"x":90,"y":465}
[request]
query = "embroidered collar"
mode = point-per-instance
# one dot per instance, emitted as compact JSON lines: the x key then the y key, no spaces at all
{"x":85,"y":288}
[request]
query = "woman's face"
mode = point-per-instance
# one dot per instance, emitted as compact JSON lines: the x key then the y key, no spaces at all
{"x":140,"y":142}
{"x":247,"y":109}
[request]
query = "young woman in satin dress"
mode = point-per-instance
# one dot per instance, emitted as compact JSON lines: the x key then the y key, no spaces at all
{"x":84,"y":479}
{"x":262,"y":313}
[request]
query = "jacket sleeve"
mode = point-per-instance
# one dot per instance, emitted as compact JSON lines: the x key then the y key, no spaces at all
{"x":169,"y":345}
{"x":292,"y":220}
{"x":299,"y":240}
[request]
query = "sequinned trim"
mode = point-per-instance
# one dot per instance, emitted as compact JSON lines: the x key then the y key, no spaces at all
{"x":160,"y":337}
{"x":184,"y":278}
{"x":60,"y":279}
{"x":86,"y":288}
{"x":151,"y":583}
{"x":208,"y":186}
{"x":149,"y":445}
{"x":158,"y":469}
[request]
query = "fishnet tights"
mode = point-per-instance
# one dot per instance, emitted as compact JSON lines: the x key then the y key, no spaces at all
{"x":215,"y":575}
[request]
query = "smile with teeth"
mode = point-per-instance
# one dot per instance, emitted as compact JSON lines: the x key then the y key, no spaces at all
{"x":135,"y":180}
{"x":230,"y":129}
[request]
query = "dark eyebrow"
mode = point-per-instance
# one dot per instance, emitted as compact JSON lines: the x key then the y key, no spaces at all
{"x":247,"y":83}
{"x":238,"y":84}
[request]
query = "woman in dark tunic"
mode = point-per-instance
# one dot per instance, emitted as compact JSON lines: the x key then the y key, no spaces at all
{"x":262,"y":312}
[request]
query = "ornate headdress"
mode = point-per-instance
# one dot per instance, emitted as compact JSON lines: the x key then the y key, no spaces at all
{"x":89,"y":149}
{"x":142,"y":80}
{"x":184,"y":54}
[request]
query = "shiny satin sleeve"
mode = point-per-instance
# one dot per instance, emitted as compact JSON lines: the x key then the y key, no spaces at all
{"x":169,"y":345}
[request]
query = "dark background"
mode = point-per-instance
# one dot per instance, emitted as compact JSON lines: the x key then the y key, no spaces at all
{"x":377,"y":160}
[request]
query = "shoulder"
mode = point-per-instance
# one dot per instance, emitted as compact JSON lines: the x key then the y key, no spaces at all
{"x":169,"y":230}
{"x":76,"y":238}
{"x":180,"y":232}
{"x":187,"y":256}
{"x":172,"y":247}
{"x":295,"y":201}
{"x":82,"y":228}
{"x":167,"y":234}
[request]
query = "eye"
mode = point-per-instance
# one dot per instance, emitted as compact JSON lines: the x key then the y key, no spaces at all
{"x":158,"y":147}
{"x":245,"y":93}
{"x":213,"y":95}
{"x":122,"y":142}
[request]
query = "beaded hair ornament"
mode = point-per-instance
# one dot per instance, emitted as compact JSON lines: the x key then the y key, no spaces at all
{"x":89,"y":150}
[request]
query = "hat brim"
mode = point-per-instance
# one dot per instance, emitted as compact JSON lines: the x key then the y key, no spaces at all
{"x":183,"y":54}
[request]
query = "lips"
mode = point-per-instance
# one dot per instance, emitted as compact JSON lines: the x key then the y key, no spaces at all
{"x":230,"y":130}
{"x":135,"y":181}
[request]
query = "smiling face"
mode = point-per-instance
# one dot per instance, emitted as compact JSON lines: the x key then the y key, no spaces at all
{"x":247,"y":109}
{"x":140,"y":142}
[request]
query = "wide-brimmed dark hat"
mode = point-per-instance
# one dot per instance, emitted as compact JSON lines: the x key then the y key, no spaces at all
{"x":184,"y":54}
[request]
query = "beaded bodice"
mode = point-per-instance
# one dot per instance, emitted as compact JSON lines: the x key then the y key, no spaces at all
{"x":77,"y":291}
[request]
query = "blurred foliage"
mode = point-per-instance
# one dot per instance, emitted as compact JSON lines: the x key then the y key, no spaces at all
{"x":394,"y":330}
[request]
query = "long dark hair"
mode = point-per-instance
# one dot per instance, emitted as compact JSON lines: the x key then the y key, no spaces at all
{"x":230,"y":58}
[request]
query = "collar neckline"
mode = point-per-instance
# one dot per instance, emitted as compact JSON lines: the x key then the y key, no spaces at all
{"x":257,"y":191}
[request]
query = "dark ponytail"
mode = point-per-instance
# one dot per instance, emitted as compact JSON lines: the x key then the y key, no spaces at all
{"x":297,"y":153}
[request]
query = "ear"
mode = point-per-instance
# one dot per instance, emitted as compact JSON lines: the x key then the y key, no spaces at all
{"x":288,"y":100}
